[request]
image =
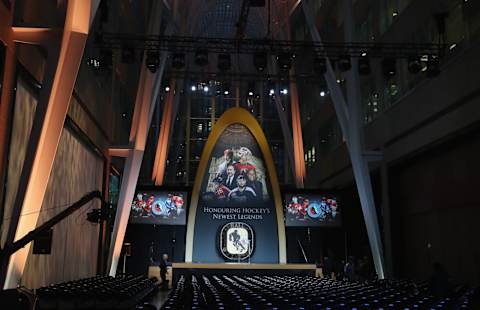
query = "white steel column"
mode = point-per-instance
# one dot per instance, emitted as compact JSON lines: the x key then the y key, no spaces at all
{"x":46,"y":131}
{"x":146,"y":99}
{"x":349,"y":118}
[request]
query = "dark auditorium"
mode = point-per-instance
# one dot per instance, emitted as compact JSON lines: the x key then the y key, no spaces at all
{"x":239,"y":154}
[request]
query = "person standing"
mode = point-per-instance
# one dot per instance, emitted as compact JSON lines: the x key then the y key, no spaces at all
{"x":164,"y":263}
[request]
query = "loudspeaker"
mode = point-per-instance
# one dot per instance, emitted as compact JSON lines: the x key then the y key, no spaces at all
{"x":42,"y":244}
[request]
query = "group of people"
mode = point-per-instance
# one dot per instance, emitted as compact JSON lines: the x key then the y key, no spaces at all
{"x":236,"y":180}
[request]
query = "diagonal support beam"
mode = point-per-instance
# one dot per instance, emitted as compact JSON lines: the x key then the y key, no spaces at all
{"x":146,"y":100}
{"x":349,"y":118}
{"x":45,"y":134}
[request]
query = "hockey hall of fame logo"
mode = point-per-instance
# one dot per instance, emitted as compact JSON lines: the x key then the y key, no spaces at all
{"x":236,"y":241}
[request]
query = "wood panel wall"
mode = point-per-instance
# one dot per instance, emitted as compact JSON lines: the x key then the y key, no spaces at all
{"x":23,"y":113}
{"x":76,"y":171}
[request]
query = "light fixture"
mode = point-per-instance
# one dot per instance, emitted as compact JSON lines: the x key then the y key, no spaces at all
{"x":167,"y":89}
{"x":284,"y":91}
{"x":344,"y":63}
{"x":251,"y":88}
{"x":206,"y":88}
{"x":414,"y":64}
{"x":224,"y":63}
{"x":260,"y":60}
{"x":320,"y":65}
{"x":389,"y":67}
{"x":201,"y":57}
{"x":193,"y":88}
{"x":433,"y":66}
{"x":178,"y":61}
{"x":250,"y":93}
{"x":271,"y":92}
{"x":284,"y":61}
{"x":152,"y":61}
{"x":364,"y":66}
{"x":322,"y":93}
{"x":226,"y":88}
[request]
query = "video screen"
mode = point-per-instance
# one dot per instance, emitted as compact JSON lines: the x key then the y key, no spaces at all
{"x":312,"y":210}
{"x":160,"y":207}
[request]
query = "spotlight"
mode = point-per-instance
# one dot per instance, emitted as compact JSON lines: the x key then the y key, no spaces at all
{"x":128,"y":54}
{"x":251,"y":88}
{"x":193,"y":88}
{"x":320,"y":65}
{"x":284,"y":61}
{"x":322,"y":93}
{"x":152,"y":61}
{"x":226,"y":89}
{"x":271,"y":92}
{"x":284,"y":91}
{"x":344,"y":63}
{"x":433,"y":66}
{"x":389,"y":67}
{"x":94,"y":62}
{"x":201,"y":57}
{"x":178,"y":61}
{"x":414,"y":64}
{"x":167,"y":89}
{"x":206,"y":88}
{"x":260,"y":60}
{"x":224,"y":62}
{"x":364,"y":66}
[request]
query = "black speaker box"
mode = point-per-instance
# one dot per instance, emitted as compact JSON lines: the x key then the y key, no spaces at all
{"x":42,"y":244}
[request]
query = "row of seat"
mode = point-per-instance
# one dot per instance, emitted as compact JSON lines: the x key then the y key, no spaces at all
{"x":302,"y":292}
{"x":99,"y":292}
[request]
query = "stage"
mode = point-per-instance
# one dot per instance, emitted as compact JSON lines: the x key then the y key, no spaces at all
{"x":187,"y":269}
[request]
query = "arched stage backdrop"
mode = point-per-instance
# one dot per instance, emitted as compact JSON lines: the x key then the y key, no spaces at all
{"x":236,"y":211}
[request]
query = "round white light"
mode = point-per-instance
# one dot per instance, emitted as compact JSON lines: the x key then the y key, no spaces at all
{"x":271,"y":92}
{"x":194,"y":88}
{"x":284,"y":91}
{"x":167,"y":89}
{"x":250,"y":93}
{"x":322,"y":94}
{"x":205,"y":88}
{"x":225,"y":92}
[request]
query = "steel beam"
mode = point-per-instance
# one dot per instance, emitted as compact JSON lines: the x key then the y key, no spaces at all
{"x":349,"y":118}
{"x":46,"y":130}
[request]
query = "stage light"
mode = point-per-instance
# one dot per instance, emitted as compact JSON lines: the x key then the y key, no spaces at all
{"x":167,"y":89}
{"x":284,"y":91}
{"x":344,"y":63}
{"x":152,"y":61}
{"x":201,"y":57}
{"x":226,"y":88}
{"x":414,"y":64}
{"x":206,"y":88}
{"x":271,"y":92}
{"x":260,"y":60}
{"x":94,"y":62}
{"x":251,"y":88}
{"x":284,"y":61}
{"x":224,"y":62}
{"x":389,"y":67}
{"x":178,"y":61}
{"x":364,"y":66}
{"x":322,"y":93}
{"x":128,"y":54}
{"x":320,"y":65}
{"x":193,"y":88}
{"x":432,"y":66}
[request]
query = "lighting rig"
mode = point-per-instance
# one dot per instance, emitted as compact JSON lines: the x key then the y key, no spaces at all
{"x":419,"y":57}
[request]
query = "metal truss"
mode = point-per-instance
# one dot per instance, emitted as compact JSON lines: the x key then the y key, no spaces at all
{"x":249,"y":46}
